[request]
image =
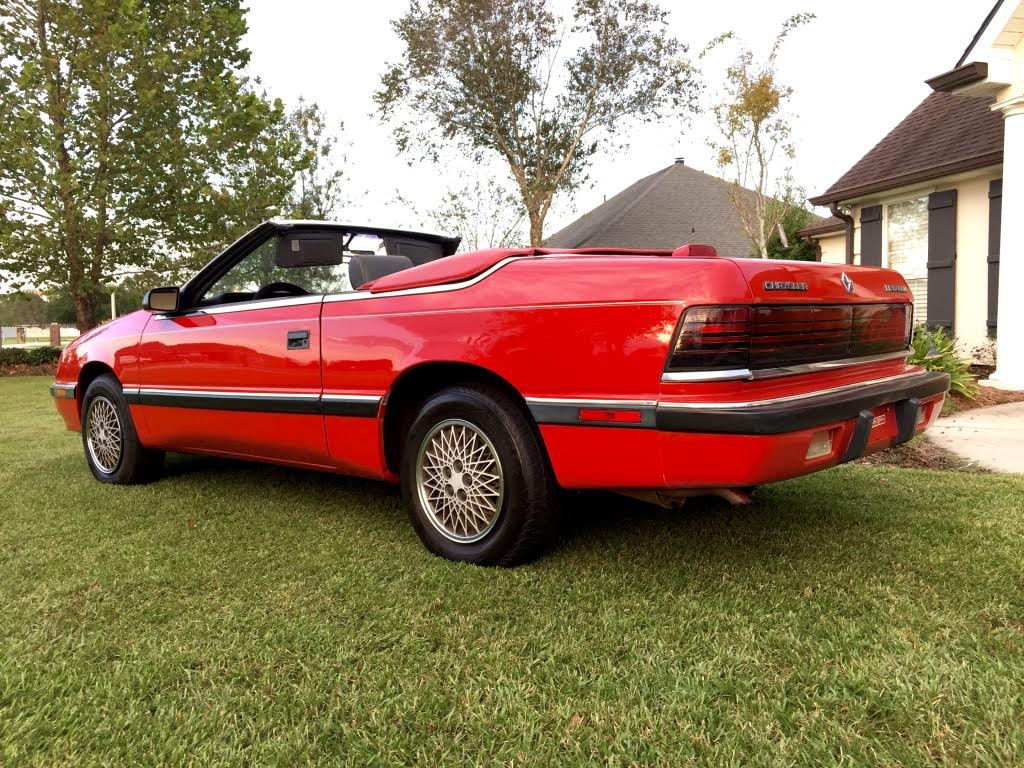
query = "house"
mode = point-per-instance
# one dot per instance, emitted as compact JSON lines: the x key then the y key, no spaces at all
{"x":929,"y":198}
{"x":676,"y":205}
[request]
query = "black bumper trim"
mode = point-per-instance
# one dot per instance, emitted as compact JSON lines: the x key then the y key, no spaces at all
{"x":778,"y":418}
{"x":275,"y":404}
{"x":859,"y":439}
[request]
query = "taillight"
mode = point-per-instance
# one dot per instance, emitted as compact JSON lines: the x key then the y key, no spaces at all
{"x":712,"y":337}
{"x":778,"y":336}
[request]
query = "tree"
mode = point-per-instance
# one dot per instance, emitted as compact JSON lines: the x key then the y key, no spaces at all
{"x":484,"y":213}
{"x":319,"y":191}
{"x":492,"y":76}
{"x":22,"y":308}
{"x":792,"y":247}
{"x":130,"y":143}
{"x":755,"y":129}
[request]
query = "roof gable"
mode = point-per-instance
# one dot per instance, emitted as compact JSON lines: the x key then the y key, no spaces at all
{"x":945,"y":134}
{"x":676,"y":205}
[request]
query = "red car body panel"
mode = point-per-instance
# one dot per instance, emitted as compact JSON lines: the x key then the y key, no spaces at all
{"x":556,"y":327}
{"x":234,"y":352}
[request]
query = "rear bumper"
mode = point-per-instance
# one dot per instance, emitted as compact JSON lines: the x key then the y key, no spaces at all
{"x":694,"y":445}
{"x":787,"y":414}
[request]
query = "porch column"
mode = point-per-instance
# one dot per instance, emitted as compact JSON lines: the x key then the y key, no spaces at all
{"x":1009,"y":373}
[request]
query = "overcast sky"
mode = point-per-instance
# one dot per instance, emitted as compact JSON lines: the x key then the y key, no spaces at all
{"x":857,"y":70}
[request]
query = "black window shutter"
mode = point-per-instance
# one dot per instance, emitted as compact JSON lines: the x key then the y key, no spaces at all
{"x":871,"y":236}
{"x":995,"y":222}
{"x":941,"y":259}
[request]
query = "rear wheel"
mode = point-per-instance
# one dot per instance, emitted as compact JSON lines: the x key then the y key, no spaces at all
{"x":112,"y":448}
{"x":475,"y":478}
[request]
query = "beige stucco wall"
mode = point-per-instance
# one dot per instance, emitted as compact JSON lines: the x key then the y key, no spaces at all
{"x":833,"y":248}
{"x":1017,"y":84}
{"x":971,"y":310}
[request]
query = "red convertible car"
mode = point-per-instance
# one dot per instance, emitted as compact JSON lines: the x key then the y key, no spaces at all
{"x":483,"y":382}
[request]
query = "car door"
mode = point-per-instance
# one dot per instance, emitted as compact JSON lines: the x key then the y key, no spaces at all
{"x":239,"y":372}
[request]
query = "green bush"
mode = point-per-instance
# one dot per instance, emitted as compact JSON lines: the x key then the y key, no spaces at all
{"x":29,"y":356}
{"x":936,"y":351}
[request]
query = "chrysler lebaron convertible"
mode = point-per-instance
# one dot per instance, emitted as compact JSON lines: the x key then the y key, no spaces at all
{"x":485,"y":382}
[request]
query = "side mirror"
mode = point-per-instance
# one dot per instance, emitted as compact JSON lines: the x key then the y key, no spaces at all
{"x":161,"y":299}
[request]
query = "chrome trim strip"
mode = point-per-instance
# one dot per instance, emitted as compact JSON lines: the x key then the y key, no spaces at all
{"x":444,"y":287}
{"x":686,"y":406}
{"x":771,"y":373}
{"x":143,"y":391}
{"x":352,"y":398}
{"x":441,"y":288}
{"x":242,"y":306}
{"x":828,"y":365}
{"x":584,"y":403}
{"x":688,"y":376}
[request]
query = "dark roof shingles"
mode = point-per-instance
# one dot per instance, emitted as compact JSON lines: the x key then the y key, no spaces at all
{"x":945,"y":133}
{"x":674,"y":206}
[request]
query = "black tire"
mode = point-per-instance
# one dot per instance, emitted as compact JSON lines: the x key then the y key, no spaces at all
{"x":526,"y":513}
{"x":131,"y":462}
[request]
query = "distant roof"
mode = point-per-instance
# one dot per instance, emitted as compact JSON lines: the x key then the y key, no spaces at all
{"x":823,"y":227}
{"x":676,"y":205}
{"x":947,"y":133}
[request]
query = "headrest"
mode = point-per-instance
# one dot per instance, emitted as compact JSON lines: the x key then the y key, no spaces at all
{"x":366,"y":269}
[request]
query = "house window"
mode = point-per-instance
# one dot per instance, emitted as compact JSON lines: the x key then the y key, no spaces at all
{"x":907,"y":248}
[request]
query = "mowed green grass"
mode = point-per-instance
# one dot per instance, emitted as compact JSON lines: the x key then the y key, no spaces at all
{"x":235,"y":614}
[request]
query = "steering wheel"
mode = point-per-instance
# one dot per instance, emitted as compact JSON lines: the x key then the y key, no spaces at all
{"x":280,"y":289}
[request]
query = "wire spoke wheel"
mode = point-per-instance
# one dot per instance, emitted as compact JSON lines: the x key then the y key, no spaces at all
{"x":460,"y":481}
{"x":104,"y":436}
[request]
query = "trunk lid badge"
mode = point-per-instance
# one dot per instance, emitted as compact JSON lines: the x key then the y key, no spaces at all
{"x":847,"y":282}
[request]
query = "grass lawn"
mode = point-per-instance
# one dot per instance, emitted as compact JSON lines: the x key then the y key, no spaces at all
{"x":235,"y":614}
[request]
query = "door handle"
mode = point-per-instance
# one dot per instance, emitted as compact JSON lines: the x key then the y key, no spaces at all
{"x":298,"y":339}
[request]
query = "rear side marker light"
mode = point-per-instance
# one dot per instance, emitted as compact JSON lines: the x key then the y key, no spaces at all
{"x":820,"y":445}
{"x":609,"y":417}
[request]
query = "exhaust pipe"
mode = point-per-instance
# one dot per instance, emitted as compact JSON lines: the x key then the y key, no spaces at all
{"x":677,"y":497}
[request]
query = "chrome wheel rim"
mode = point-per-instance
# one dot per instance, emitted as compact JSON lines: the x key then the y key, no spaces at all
{"x":460,"y":481}
{"x":103,"y":435}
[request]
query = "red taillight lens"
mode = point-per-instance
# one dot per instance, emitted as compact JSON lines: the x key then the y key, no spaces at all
{"x":723,"y":338}
{"x":879,"y":328}
{"x":712,"y":338}
{"x":790,"y":335}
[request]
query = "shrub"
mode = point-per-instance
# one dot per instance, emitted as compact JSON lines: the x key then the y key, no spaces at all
{"x":29,"y":356}
{"x":936,"y":351}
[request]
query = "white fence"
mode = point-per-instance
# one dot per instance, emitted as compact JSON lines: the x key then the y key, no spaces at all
{"x":34,"y":335}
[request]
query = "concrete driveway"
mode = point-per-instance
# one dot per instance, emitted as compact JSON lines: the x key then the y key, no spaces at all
{"x":991,"y":437}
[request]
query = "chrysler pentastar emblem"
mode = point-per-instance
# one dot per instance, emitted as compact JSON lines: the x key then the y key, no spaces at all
{"x":847,"y":282}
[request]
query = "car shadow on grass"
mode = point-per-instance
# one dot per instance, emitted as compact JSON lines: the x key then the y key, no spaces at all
{"x":806,"y":524}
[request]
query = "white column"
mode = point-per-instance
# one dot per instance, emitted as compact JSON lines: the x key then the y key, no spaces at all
{"x":1009,"y":373}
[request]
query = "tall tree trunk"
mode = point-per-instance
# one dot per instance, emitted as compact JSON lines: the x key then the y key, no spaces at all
{"x":85,"y":312}
{"x":536,"y":228}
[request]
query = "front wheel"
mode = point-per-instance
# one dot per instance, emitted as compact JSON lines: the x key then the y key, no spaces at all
{"x":476,"y":480}
{"x":112,"y":448}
